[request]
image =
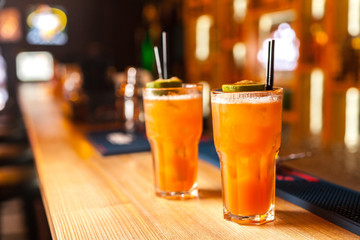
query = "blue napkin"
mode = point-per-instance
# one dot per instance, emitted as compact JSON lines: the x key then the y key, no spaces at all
{"x":117,"y":142}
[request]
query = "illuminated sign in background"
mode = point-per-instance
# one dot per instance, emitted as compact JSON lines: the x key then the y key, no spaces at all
{"x":287,"y":50}
{"x":47,"y":25}
{"x":34,"y":66}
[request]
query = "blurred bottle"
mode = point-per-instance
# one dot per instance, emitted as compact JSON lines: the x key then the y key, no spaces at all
{"x":147,"y":53}
{"x":76,"y":100}
{"x":58,"y":79}
{"x":146,"y":34}
{"x":129,"y":104}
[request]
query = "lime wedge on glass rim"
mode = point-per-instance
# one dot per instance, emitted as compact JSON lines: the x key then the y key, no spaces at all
{"x":173,"y":82}
{"x":243,"y":86}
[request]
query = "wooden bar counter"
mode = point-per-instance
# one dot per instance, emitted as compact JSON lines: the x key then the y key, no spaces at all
{"x":88,"y":196}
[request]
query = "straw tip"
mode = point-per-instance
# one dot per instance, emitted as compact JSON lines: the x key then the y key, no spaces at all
{"x":270,"y":65}
{"x":271,"y":42}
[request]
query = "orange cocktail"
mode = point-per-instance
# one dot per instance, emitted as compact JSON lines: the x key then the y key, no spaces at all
{"x":247,"y":135}
{"x":173,"y":118}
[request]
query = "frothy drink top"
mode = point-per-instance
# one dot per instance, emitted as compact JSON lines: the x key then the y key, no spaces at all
{"x":238,"y":98}
{"x":172,"y":97}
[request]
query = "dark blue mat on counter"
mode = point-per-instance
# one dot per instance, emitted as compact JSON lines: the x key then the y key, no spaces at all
{"x":332,"y":202}
{"x":208,"y":153}
{"x":117,"y":142}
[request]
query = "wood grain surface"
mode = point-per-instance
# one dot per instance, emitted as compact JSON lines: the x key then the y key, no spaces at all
{"x":88,"y":196}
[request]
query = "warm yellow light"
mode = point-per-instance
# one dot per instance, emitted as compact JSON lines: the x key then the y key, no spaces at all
{"x":318,"y":9}
{"x":355,"y":43}
{"x":267,"y":21}
{"x":203,"y":25}
{"x":354,"y":17}
{"x":321,"y":38}
{"x":206,"y":99}
{"x":351,"y":138}
{"x":239,"y":53}
{"x":47,"y":17}
{"x":10,"y":28}
{"x":240,"y":8}
{"x":316,"y":100}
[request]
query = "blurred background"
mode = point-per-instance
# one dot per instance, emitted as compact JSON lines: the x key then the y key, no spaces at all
{"x":85,"y":48}
{"x":98,"y":54}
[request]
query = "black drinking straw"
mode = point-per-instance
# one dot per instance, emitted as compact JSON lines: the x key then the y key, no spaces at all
{"x":164,"y":55}
{"x":270,"y":66}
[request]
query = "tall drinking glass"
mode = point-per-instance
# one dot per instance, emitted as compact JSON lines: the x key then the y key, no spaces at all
{"x":247,"y":136}
{"x":173,"y":119}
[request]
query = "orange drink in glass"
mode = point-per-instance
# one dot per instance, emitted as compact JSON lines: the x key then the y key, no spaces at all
{"x":247,"y":136}
{"x":173,"y":119}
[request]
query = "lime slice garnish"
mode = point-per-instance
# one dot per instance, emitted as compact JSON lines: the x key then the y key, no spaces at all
{"x":173,"y":82}
{"x":243,"y":86}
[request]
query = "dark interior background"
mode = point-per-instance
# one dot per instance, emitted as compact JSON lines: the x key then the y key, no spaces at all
{"x":110,"y":23}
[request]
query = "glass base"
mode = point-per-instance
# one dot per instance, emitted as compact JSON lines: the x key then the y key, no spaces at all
{"x":251,"y":220}
{"x":192,"y":193}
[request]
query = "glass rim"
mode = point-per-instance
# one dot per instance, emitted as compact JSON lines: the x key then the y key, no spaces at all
{"x":183,"y":86}
{"x":220,"y":91}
